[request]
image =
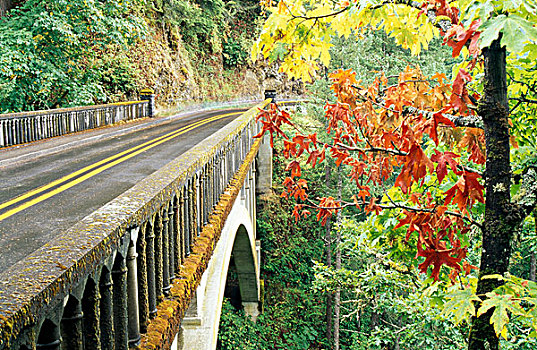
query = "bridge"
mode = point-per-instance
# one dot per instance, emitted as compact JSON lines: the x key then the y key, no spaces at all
{"x":144,"y":264}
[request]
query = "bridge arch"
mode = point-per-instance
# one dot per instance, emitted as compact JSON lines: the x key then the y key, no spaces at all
{"x":199,"y":329}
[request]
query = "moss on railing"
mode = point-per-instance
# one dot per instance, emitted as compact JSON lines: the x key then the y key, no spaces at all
{"x":163,"y":328}
{"x":49,"y":274}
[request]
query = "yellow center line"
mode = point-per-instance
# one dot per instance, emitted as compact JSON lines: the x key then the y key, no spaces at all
{"x":125,"y":155}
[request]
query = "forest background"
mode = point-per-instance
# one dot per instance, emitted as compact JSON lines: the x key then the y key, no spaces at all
{"x":59,"y":53}
{"x":440,"y":166}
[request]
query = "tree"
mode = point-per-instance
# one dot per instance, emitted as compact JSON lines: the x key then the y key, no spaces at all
{"x":444,"y":147}
{"x":50,"y":51}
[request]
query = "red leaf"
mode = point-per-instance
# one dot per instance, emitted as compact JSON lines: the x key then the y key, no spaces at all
{"x":294,"y":166}
{"x":443,"y":159}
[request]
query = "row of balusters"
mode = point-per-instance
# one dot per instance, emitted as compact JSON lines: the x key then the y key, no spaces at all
{"x":22,"y":129}
{"x":117,"y":303}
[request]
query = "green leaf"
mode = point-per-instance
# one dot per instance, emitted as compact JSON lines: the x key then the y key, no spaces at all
{"x":517,"y":32}
{"x":501,"y":304}
{"x":460,"y":305}
{"x":492,"y":30}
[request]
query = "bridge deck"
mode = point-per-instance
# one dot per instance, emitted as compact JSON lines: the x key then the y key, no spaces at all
{"x":27,"y":169}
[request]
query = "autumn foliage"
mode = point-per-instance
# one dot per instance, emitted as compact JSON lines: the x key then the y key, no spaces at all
{"x":385,"y":131}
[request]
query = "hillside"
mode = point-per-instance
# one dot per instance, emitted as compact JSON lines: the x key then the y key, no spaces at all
{"x":59,"y":53}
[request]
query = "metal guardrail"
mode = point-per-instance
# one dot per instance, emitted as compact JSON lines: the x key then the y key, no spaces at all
{"x":18,"y":128}
{"x":98,"y":285}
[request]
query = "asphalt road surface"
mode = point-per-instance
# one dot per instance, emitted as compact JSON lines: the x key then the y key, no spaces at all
{"x":43,"y":193}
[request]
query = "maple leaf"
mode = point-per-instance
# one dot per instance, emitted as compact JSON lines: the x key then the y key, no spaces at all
{"x":460,"y":304}
{"x":289,"y":149}
{"x":303,"y":143}
{"x":443,"y":159}
{"x":294,"y":167}
{"x":466,"y":191}
{"x":436,"y":254}
{"x":461,"y":36}
{"x":314,"y":155}
{"x":473,"y":141}
{"x":296,"y":189}
{"x":459,"y":97}
{"x":327,"y":207}
{"x":416,"y":166}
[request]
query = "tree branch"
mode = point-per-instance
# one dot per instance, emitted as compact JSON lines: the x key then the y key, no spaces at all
{"x":396,"y":205}
{"x":525,"y":200}
{"x":459,"y":121}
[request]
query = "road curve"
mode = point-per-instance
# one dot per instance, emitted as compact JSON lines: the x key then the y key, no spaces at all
{"x":43,"y":194}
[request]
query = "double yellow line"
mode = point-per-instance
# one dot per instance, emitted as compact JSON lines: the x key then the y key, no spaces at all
{"x":95,"y":169}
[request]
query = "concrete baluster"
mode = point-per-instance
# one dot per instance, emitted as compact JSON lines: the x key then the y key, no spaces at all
{"x":2,"y":134}
{"x":72,"y":326}
{"x":193,"y":211}
{"x":121,"y":318}
{"x":107,"y":310}
{"x":151,"y":280}
{"x":172,"y":241}
{"x":199,"y":203}
{"x":186,"y":220}
{"x":132,"y":292}
{"x":177,"y":236}
{"x":202,"y":196}
{"x":158,"y":257}
{"x":165,"y":252}
{"x":49,"y":336}
{"x":91,"y":302}
{"x":143,"y":290}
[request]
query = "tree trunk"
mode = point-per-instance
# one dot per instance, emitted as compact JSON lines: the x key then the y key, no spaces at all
{"x":337,"y":296}
{"x":5,"y":5}
{"x":328,"y":250}
{"x":497,"y":227}
{"x":533,"y":262}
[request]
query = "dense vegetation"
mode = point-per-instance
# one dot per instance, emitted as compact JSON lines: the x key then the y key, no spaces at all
{"x":435,"y":172}
{"x":59,"y":53}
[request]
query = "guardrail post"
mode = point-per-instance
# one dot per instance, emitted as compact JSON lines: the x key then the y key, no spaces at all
{"x":270,"y":94}
{"x":149,"y":95}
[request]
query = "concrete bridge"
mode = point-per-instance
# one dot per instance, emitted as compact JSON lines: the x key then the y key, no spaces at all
{"x":148,"y":269}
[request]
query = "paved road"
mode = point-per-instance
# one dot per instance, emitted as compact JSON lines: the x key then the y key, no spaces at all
{"x":43,"y":194}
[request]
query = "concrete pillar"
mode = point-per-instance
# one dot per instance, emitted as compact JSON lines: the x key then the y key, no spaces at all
{"x":264,"y":167}
{"x":251,"y":308}
{"x":91,"y":302}
{"x":149,"y":95}
{"x":132,"y":293}
{"x":121,"y":318}
{"x":143,"y":289}
{"x":150,"y":261}
{"x":71,"y":326}
{"x":166,"y":286}
{"x":107,"y":313}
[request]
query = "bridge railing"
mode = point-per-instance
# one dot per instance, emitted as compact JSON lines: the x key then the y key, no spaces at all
{"x":18,"y":128}
{"x":99,"y":284}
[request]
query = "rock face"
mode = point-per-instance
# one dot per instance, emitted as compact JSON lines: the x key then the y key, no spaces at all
{"x":270,"y":78}
{"x":178,"y":76}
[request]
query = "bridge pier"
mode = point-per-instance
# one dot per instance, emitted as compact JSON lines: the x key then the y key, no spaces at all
{"x":199,"y":330}
{"x":264,"y":167}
